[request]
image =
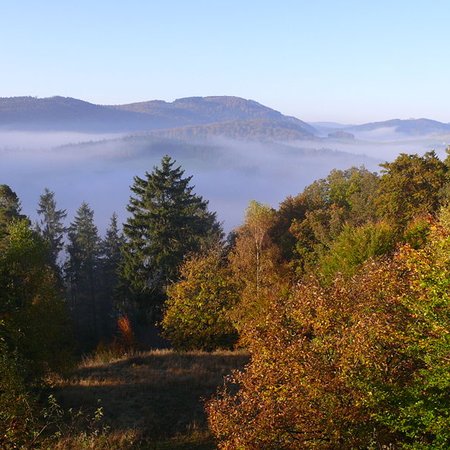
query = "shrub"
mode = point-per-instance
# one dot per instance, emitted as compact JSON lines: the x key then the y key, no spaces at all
{"x":126,"y":335}
{"x":15,"y":411}
{"x":198,"y":306}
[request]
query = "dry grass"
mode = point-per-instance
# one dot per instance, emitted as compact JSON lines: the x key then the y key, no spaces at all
{"x":151,"y":400}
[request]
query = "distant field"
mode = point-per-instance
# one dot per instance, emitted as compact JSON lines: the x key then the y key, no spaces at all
{"x":151,"y":400}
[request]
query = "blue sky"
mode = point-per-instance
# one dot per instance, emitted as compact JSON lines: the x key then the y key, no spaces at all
{"x":346,"y":61}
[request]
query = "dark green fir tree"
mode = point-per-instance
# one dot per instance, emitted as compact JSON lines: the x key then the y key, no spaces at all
{"x":82,"y":271}
{"x":51,"y":224}
{"x":168,"y":221}
{"x":111,"y":254}
{"x":111,"y":257}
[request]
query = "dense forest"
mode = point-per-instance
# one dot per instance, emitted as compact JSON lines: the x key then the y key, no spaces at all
{"x":340,"y":297}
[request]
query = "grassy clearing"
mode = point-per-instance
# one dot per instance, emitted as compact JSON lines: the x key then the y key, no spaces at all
{"x":152,"y":400}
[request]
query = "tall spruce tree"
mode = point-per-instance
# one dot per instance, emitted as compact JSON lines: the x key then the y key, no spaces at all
{"x":168,"y":221}
{"x":111,"y":257}
{"x":81,"y":270}
{"x":111,"y":254}
{"x":50,"y":225}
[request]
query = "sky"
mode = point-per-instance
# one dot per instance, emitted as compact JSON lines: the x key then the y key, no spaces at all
{"x":349,"y":61}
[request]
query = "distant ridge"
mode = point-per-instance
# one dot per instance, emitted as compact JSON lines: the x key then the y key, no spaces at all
{"x":412,"y":127}
{"x":191,"y":117}
{"x":65,"y":114}
{"x":206,"y":110}
{"x":258,"y":129}
{"x":235,"y":116}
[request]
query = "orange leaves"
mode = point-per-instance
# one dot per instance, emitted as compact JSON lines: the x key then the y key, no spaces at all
{"x":316,"y":365}
{"x":126,"y":334}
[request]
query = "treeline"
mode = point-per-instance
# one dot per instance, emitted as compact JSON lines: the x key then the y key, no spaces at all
{"x":340,"y":295}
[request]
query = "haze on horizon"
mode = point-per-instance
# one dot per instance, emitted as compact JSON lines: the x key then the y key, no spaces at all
{"x":349,"y":61}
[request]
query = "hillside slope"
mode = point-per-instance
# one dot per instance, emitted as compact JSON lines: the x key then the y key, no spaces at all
{"x":412,"y":127}
{"x":243,"y":118}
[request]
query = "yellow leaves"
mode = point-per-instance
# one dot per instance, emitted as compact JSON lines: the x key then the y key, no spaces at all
{"x":318,"y":358}
{"x":197,"y":311}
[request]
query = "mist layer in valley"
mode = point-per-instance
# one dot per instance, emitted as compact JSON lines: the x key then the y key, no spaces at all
{"x":236,"y":149}
{"x":227,"y":173}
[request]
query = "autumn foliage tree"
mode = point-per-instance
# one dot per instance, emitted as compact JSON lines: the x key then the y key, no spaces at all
{"x":197,"y":312}
{"x":420,"y":411}
{"x":256,"y":266}
{"x":31,"y":304}
{"x":314,"y":368}
{"x":10,"y":208}
{"x":361,"y":362}
{"x":307,"y":224}
{"x":353,"y":246}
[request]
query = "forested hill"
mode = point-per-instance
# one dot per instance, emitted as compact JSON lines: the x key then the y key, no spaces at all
{"x":66,"y":114}
{"x":412,"y":127}
{"x":69,"y":114}
{"x":196,"y":117}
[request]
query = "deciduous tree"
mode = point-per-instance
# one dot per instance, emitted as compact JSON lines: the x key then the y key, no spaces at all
{"x":410,"y":187}
{"x":257,"y":268}
{"x":197,"y":313}
{"x":10,"y":208}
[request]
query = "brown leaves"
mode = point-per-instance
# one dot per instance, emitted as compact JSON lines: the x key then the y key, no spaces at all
{"x":316,"y":364}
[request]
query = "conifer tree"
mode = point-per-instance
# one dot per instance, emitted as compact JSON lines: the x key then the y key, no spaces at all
{"x":81,"y":271}
{"x":111,"y":258}
{"x":50,"y":225}
{"x":168,"y":221}
{"x":111,"y":253}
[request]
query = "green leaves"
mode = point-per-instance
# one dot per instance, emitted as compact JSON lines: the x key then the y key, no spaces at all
{"x":197,"y":313}
{"x":34,"y":313}
{"x":411,"y":186}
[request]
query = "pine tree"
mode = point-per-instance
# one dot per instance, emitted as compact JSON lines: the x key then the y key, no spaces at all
{"x":81,"y":269}
{"x":51,"y":226}
{"x":111,"y":252}
{"x":111,"y":258}
{"x":167,"y":222}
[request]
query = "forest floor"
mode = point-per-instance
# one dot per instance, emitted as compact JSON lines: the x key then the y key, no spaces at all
{"x":150,"y":400}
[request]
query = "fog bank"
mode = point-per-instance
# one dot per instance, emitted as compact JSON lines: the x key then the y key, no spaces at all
{"x":227,"y":173}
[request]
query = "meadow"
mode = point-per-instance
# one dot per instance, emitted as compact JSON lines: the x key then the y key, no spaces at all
{"x":149,"y":400}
